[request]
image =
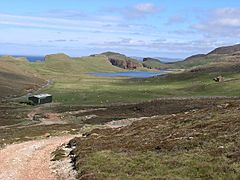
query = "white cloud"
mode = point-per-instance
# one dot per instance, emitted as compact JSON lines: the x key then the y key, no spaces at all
{"x":162,"y":46}
{"x":221,"y":23}
{"x":234,"y":12}
{"x":92,"y":24}
{"x":230,"y":22}
{"x":175,"y":19}
{"x":66,"y":13}
{"x":146,"y":8}
{"x":116,"y":30}
{"x":127,"y":42}
{"x":141,"y":10}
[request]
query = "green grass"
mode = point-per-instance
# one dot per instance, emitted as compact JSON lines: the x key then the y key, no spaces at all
{"x":72,"y":85}
{"x":197,"y":144}
{"x":90,"y":90}
{"x":155,"y":64}
{"x":20,"y":133}
{"x":74,"y":66}
{"x":150,"y":165}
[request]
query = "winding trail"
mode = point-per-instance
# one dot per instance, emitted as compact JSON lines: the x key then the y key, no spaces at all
{"x":30,"y":160}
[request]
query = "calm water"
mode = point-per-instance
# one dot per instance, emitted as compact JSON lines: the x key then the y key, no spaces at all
{"x":130,"y":74}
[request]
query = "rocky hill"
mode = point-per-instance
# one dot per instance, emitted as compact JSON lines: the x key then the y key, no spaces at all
{"x":122,"y":61}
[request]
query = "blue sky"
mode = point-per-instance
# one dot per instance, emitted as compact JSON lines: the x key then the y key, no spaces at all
{"x":166,"y":28}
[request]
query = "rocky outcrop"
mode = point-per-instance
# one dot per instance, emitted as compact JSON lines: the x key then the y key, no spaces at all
{"x":122,"y":61}
{"x":125,"y":64}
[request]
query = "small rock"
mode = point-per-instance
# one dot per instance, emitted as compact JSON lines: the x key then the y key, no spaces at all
{"x":227,"y":105}
{"x":47,"y":135}
{"x":86,"y":134}
{"x":95,"y":134}
{"x":221,"y":147}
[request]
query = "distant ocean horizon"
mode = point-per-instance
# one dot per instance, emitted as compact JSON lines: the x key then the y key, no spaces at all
{"x":41,"y":58}
{"x":29,"y":58}
{"x":32,"y":58}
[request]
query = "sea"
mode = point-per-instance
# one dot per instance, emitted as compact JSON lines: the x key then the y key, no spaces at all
{"x":32,"y":58}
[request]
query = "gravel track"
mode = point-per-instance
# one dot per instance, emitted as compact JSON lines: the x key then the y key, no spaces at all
{"x":30,"y":160}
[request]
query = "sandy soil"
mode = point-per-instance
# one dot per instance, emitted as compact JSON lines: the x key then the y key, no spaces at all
{"x":29,"y":160}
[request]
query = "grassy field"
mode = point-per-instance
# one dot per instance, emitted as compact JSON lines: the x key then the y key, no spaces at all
{"x":56,"y":65}
{"x":16,"y":126}
{"x":198,"y":143}
{"x":155,"y":64}
{"x":150,"y":165}
{"x":73,"y":85}
{"x":186,"y":139}
{"x":89,"y":90}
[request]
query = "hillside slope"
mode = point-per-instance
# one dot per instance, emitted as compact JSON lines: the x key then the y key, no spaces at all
{"x":198,"y":143}
{"x":153,"y":63}
{"x":218,"y":58}
{"x":229,"y":50}
{"x":17,"y":77}
{"x":61,"y":63}
{"x":223,"y":56}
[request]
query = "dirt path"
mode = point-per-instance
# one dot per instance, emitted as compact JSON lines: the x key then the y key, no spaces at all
{"x":29,"y":160}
